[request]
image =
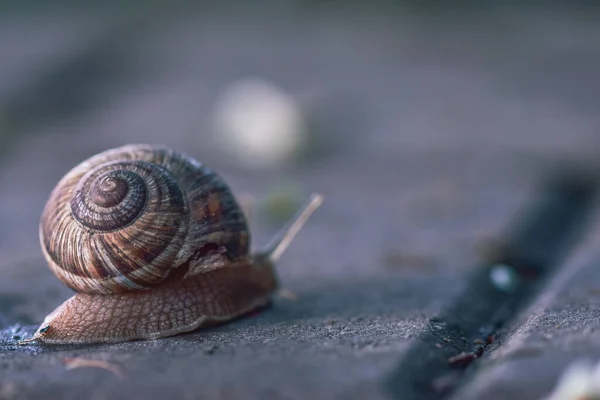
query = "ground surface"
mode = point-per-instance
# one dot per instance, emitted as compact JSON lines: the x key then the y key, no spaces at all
{"x":458,"y":119}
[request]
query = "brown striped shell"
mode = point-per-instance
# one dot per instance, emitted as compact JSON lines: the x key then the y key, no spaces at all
{"x":125,"y":218}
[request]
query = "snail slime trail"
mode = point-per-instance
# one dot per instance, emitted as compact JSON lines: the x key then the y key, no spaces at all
{"x":155,"y":244}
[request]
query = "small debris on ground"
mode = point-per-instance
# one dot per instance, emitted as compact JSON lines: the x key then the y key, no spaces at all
{"x":77,"y":362}
{"x":462,"y":360}
{"x":16,"y":332}
{"x":287,"y":294}
{"x":479,"y":349}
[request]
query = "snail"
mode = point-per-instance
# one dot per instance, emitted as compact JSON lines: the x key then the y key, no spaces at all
{"x":154,"y":244}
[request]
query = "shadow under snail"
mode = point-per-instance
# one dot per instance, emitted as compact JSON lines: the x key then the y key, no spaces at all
{"x":155,"y":245}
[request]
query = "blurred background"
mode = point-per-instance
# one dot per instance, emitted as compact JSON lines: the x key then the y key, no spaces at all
{"x":425,"y":124}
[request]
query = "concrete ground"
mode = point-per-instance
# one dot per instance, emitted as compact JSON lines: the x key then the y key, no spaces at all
{"x":440,"y":128}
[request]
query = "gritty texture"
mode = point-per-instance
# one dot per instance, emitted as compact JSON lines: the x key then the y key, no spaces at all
{"x":436,"y":128}
{"x":559,"y":328}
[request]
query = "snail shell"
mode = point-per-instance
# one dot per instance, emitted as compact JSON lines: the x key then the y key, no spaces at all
{"x":124,"y":219}
{"x":155,"y":244}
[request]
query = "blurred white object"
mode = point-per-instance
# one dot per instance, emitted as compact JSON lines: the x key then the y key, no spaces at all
{"x":581,"y":380}
{"x":259,"y":124}
{"x":504,"y":278}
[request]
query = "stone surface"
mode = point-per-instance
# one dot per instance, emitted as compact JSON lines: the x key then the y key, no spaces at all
{"x":458,"y":118}
{"x":561,"y":327}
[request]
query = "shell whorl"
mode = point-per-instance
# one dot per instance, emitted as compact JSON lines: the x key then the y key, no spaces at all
{"x":113,"y":195}
{"x":123,"y":219}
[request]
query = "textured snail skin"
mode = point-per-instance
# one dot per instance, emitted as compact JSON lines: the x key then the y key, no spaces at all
{"x":155,"y":244}
{"x":177,"y":306}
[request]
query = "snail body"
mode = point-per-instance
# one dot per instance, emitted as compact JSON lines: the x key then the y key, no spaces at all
{"x":155,"y":244}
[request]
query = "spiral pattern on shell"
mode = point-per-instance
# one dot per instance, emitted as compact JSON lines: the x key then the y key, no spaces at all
{"x":124,"y":219}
